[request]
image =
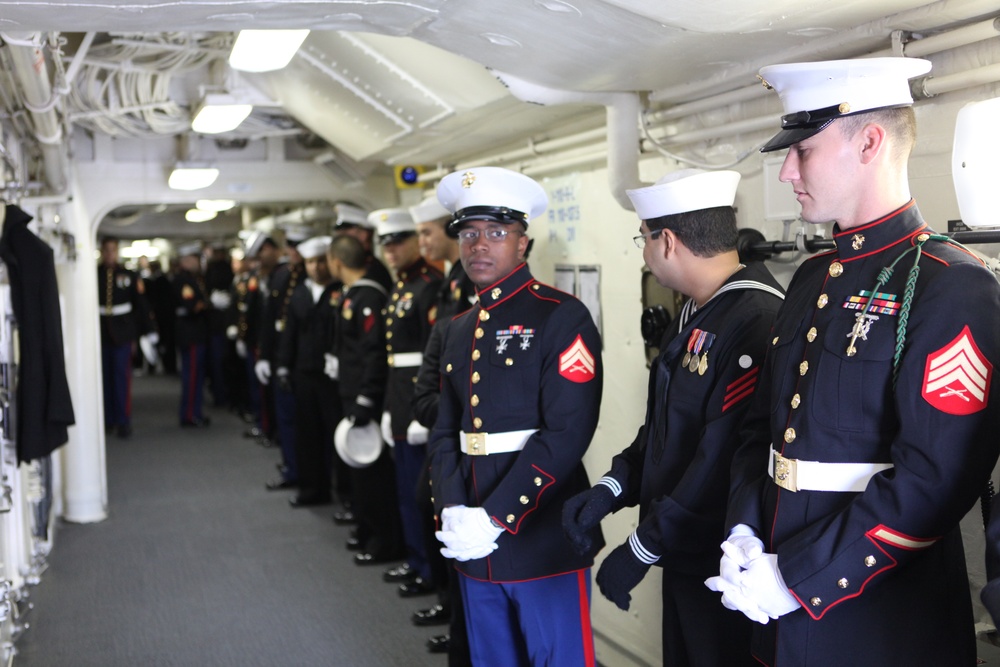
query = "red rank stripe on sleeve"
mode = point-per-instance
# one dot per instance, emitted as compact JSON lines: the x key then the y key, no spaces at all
{"x":957,"y":377}
{"x":740,"y":389}
{"x":576,"y":363}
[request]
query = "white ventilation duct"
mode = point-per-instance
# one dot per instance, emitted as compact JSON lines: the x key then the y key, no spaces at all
{"x":622,"y":127}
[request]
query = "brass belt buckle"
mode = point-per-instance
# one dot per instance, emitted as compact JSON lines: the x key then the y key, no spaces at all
{"x":784,"y":472}
{"x":475,"y":444}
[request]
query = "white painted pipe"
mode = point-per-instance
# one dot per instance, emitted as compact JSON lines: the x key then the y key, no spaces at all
{"x":936,"y":85}
{"x":970,"y":34}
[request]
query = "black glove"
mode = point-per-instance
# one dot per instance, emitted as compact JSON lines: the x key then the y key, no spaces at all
{"x":620,"y":572}
{"x":584,"y":511}
{"x":362,"y":414}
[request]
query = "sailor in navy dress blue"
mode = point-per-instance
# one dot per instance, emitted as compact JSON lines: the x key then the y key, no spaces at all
{"x":891,"y":549}
{"x":525,"y":363}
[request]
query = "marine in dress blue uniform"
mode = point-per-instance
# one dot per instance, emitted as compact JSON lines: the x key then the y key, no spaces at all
{"x":520,"y":398}
{"x":700,"y":385}
{"x":191,"y":327}
{"x":874,"y":429}
{"x":409,"y":317}
{"x":125,"y":315}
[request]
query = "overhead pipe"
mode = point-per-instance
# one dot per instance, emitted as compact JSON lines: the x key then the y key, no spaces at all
{"x":936,"y":85}
{"x":970,"y":34}
{"x":622,"y":127}
{"x":31,"y":74}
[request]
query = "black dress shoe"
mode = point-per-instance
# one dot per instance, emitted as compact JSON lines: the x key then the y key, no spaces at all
{"x":280,"y":485}
{"x":124,"y":431}
{"x":439,"y":644}
{"x":344,"y":518}
{"x":353,"y":544}
{"x":308,"y":501}
{"x":253,"y":432}
{"x":401,"y":573}
{"x":415,"y":588}
{"x":436,"y":615}
{"x":367,"y":558}
{"x":195,"y":423}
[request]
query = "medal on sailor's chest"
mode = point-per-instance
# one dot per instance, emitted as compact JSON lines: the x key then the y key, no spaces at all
{"x":696,"y":357}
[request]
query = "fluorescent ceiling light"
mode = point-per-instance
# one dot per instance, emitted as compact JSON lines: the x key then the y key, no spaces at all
{"x":198,"y":215}
{"x":218,"y":205}
{"x":219,"y":113}
{"x":192,"y":178}
{"x":265,"y":50}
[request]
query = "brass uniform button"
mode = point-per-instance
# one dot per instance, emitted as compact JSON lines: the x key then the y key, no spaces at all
{"x":475,"y":355}
{"x":538,"y":481}
{"x":388,"y":321}
{"x":923,"y":237}
{"x":803,"y":368}
{"x":815,"y":602}
{"x":775,"y":341}
{"x":842,"y":583}
{"x":484,"y":316}
{"x":475,"y":377}
{"x":474,"y":400}
{"x":477,"y":422}
{"x":448,"y":368}
{"x":509,"y":361}
{"x":524,"y":500}
{"x":388,"y":335}
{"x":399,"y":284}
{"x":836,"y":269}
{"x":789,"y":435}
{"x":870,"y":561}
{"x":822,"y":301}
{"x":811,"y":336}
{"x":510,"y":518}
{"x":395,"y":297}
{"x":796,"y":400}
{"x":479,"y":332}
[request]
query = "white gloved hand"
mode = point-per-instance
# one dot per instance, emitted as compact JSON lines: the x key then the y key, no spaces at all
{"x":728,"y":583}
{"x":386,"y":426}
{"x":743,"y":545}
{"x":469,"y":554}
{"x":262,"y":369}
{"x":220,"y":299}
{"x":147,"y":343}
{"x":416,"y":433}
{"x":232,"y":332}
{"x":467,"y":530}
{"x":331,"y":366}
{"x":241,"y":348}
{"x":762,"y":583}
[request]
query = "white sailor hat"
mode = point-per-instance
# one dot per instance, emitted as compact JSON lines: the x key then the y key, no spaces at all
{"x":193,"y":248}
{"x":314,"y":247}
{"x":491,"y":193}
{"x":255,"y":242}
{"x":392,"y":224}
{"x":815,"y":94}
{"x":352,"y":215}
{"x":429,"y":209}
{"x":357,"y":446}
{"x":685,"y":190}
{"x":294,"y":235}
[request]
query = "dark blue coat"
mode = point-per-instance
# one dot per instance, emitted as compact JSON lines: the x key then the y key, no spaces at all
{"x":880,"y":574}
{"x":527,"y":357}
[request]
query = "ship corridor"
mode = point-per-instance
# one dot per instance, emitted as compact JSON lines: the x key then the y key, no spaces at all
{"x":198,"y":565}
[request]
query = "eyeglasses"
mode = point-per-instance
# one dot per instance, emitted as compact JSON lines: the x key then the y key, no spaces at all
{"x":640,"y":240}
{"x":469,"y":236}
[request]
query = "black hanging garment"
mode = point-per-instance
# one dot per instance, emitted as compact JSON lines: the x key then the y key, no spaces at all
{"x":43,"y":407}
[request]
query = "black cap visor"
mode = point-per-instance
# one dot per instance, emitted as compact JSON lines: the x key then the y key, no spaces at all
{"x":396,"y":237}
{"x":500,"y":214}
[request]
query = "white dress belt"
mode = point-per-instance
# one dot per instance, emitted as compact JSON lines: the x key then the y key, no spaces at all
{"x":796,"y":475}
{"x":120,"y":309}
{"x":406,"y":359}
{"x":482,"y":444}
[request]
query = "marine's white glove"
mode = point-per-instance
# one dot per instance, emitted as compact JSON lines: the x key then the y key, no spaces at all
{"x":147,"y":343}
{"x":416,"y":433}
{"x":241,"y":348}
{"x":467,"y":533}
{"x":331,"y":366}
{"x":220,"y":299}
{"x":728,"y":583}
{"x":262,"y":369}
{"x":386,"y":426}
{"x":232,"y":332}
{"x":763,"y":584}
{"x":743,"y":545}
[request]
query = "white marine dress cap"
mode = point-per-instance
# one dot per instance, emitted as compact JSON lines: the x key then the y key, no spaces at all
{"x":314,"y":247}
{"x":683,"y":191}
{"x":491,"y":193}
{"x":348,"y":214}
{"x":429,"y":209}
{"x":392,"y":224}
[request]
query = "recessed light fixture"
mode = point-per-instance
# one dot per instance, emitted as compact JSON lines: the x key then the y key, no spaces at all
{"x":217,"y":205}
{"x":198,"y":215}
{"x":265,"y":50}
{"x":191,"y":177}
{"x":219,"y":112}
